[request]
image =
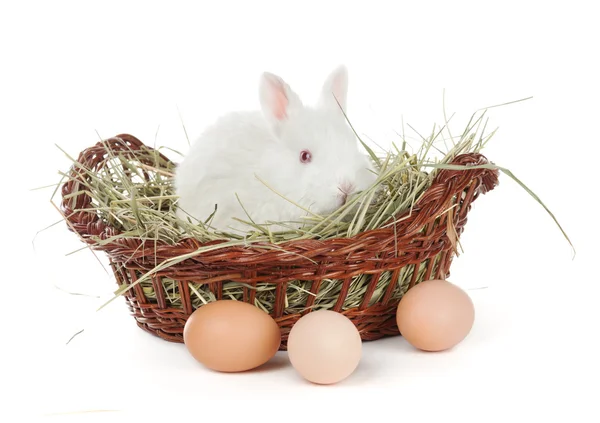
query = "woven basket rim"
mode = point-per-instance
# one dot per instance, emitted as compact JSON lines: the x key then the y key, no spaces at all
{"x":88,"y":224}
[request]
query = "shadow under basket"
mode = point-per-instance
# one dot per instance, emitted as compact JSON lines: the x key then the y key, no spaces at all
{"x":381,"y":264}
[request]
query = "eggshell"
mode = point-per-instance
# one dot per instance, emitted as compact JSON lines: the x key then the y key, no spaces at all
{"x":324,"y":347}
{"x":231,"y":336}
{"x":435,"y":315}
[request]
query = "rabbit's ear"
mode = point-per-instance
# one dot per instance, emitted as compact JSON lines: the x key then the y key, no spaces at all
{"x":276,"y":98}
{"x":335,"y":90}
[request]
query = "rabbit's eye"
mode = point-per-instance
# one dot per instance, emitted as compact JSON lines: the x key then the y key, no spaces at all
{"x":305,"y":156}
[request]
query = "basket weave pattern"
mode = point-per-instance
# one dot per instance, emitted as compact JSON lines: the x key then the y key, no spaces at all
{"x":419,"y":246}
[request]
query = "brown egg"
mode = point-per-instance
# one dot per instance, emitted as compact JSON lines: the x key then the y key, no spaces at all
{"x":324,"y":347}
{"x":231,"y":336}
{"x":435,"y":315}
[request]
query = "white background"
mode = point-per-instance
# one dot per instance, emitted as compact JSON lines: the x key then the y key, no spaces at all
{"x":72,"y":70}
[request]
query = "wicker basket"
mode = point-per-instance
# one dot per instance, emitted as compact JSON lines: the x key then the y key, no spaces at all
{"x":419,"y":246}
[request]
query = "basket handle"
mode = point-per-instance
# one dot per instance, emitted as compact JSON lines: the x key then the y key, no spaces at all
{"x":75,"y":200}
{"x":487,"y":178}
{"x":447,"y":184}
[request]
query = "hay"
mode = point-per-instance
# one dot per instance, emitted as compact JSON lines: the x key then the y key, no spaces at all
{"x":136,"y":196}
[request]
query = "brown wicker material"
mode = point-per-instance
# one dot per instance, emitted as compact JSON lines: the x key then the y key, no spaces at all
{"x":422,"y":239}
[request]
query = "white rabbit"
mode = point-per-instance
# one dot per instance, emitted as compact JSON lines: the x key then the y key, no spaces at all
{"x":309,"y":155}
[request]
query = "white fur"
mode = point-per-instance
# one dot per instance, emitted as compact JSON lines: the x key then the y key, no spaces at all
{"x":226,"y":157}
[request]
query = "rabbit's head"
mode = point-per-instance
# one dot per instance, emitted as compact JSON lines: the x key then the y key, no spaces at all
{"x":317,"y":157}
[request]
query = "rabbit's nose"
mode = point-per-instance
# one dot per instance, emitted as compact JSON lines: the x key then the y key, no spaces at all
{"x":346,"y":187}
